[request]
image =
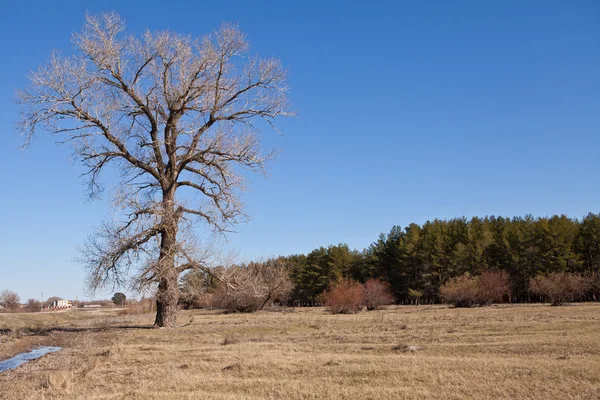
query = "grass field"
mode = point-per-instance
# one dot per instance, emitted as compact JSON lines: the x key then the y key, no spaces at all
{"x":499,"y":352}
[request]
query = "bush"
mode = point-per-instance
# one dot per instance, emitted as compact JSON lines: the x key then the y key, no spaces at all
{"x":492,"y":286}
{"x":377,"y":294}
{"x":485,"y":289}
{"x":345,"y":297}
{"x":33,"y":305}
{"x":559,"y":288}
{"x":461,"y":291}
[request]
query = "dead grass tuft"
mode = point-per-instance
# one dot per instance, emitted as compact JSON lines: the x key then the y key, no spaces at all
{"x":233,"y":367}
{"x":59,"y":381}
{"x":406,"y":348}
{"x":230,"y":339}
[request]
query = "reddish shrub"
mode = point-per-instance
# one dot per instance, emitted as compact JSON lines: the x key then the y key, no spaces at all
{"x":485,"y":289}
{"x":492,"y":286}
{"x":559,"y":288}
{"x":377,"y":294}
{"x":347,"y":296}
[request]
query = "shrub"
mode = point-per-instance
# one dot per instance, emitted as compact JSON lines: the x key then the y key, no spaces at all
{"x":492,"y":286}
{"x":33,"y":305}
{"x":346,"y":296}
{"x":377,"y":294}
{"x":485,"y":289}
{"x":559,"y":288}
{"x":461,"y":291}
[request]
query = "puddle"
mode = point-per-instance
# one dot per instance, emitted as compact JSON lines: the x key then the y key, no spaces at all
{"x":22,"y":358}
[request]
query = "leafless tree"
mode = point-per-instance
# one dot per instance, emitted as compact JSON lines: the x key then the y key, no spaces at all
{"x":10,"y":300}
{"x":179,"y":118}
{"x":253,"y":286}
{"x":276,"y":282}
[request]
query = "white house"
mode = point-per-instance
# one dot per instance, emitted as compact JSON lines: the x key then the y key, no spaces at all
{"x":61,"y":304}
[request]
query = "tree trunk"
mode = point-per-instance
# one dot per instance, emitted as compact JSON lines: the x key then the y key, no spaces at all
{"x":167,"y":295}
{"x":167,"y":298}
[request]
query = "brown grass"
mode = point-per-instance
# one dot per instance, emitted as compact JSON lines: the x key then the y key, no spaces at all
{"x":498,"y":352}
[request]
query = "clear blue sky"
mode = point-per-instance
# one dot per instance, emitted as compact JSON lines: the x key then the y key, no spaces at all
{"x":408,"y":111}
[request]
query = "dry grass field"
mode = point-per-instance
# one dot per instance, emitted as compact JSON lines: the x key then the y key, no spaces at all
{"x":499,"y":352}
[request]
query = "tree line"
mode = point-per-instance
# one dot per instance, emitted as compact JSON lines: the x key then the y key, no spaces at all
{"x":417,"y":260}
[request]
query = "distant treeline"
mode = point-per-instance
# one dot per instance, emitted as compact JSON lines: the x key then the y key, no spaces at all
{"x":421,"y":258}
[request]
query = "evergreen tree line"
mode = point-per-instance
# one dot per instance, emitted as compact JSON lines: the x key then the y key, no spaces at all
{"x":417,"y":259}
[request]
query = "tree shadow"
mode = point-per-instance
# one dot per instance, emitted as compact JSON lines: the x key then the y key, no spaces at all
{"x":49,"y":330}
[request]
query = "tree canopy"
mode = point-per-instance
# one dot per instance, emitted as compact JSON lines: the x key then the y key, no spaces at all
{"x":119,"y":298}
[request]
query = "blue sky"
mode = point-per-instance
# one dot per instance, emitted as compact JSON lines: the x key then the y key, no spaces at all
{"x":407,"y":111}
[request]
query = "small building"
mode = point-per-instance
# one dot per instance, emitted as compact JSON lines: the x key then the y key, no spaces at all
{"x":61,"y":304}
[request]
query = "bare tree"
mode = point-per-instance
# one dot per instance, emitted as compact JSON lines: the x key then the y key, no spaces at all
{"x":10,"y":300}
{"x":179,"y":118}
{"x":253,"y":286}
{"x":276,"y":282}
